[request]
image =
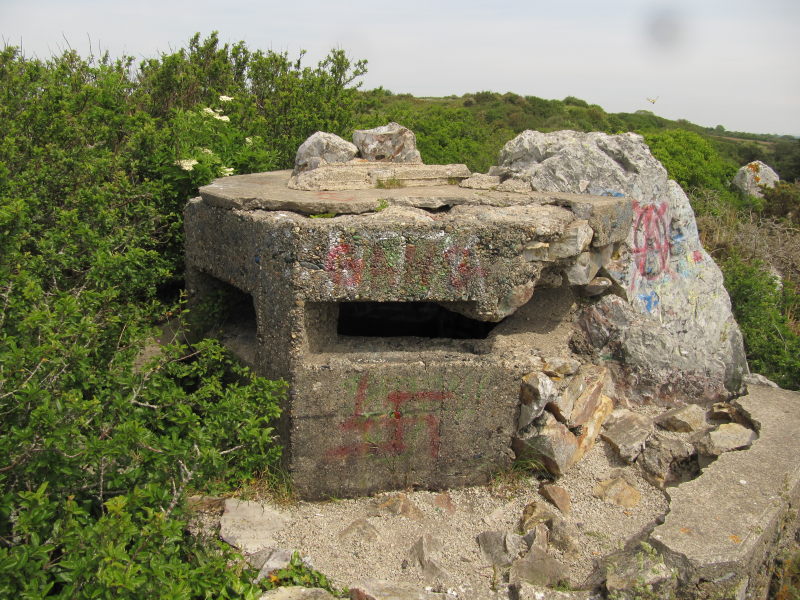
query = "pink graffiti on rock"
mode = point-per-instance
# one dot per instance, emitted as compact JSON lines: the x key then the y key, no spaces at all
{"x":651,"y":240}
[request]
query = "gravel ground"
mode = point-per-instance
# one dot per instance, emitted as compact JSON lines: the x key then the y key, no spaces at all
{"x":380,"y":549}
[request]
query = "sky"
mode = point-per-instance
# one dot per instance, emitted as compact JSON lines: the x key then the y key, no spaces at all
{"x":733,"y":63}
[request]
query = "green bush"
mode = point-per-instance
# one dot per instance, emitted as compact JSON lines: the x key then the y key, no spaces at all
{"x":99,"y":447}
{"x":762,"y":309}
{"x":783,"y":201}
{"x":690,"y":160}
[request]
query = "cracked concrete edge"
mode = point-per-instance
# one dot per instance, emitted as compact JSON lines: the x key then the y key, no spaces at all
{"x":724,"y":528}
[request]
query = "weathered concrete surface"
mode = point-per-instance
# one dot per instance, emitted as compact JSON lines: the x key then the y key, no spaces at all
{"x":370,"y":413}
{"x":724,"y":527}
{"x":677,"y":316}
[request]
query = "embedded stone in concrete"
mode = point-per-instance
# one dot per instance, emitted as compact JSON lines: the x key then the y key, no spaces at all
{"x":629,"y":434}
{"x":726,"y":437}
{"x":322,"y":148}
{"x":249,"y":526}
{"x":606,"y":216}
{"x":685,"y":419}
{"x":575,"y":239}
{"x":390,"y":143}
{"x":722,"y":527}
{"x":752,"y":176}
{"x":585,"y":268}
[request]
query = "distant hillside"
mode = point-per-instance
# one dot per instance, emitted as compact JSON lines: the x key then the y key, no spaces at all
{"x":477,"y":125}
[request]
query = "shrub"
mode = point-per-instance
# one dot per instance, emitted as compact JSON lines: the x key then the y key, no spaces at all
{"x":764,"y":311}
{"x":783,"y":201}
{"x":96,"y":163}
{"x":690,"y":160}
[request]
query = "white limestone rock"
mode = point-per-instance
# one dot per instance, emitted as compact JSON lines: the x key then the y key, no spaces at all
{"x":676,"y":314}
{"x":388,"y":143}
{"x":320,"y":149}
{"x":750,"y":177}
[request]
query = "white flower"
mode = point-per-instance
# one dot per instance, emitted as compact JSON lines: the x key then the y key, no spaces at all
{"x":227,"y":171}
{"x":225,"y":118}
{"x":225,"y":98}
{"x":248,"y":140}
{"x":209,"y":111}
{"x":206,"y":151}
{"x":186,"y":164}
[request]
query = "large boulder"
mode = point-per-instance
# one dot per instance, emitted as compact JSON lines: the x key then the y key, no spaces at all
{"x":670,"y":328}
{"x":387,"y":143}
{"x":320,"y":149}
{"x":752,"y":176}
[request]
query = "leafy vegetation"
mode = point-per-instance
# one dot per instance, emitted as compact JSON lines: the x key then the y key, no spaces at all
{"x":99,"y":446}
{"x":97,"y":159}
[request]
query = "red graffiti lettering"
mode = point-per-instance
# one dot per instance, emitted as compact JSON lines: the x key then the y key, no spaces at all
{"x":343,"y":267}
{"x":651,"y":241}
{"x":463,"y":266}
{"x":389,"y":428}
{"x":698,"y":256}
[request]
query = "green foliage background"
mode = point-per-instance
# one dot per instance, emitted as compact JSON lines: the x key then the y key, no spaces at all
{"x":97,"y":159}
{"x":98,"y":451}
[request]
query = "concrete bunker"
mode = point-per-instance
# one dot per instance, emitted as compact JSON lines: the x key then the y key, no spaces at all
{"x":401,"y":327}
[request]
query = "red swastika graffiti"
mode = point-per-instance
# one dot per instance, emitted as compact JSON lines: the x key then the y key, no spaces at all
{"x":384,"y":434}
{"x":651,"y":240}
{"x":464,"y":267}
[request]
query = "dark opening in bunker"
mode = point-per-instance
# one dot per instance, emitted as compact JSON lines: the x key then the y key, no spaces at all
{"x":408,"y":319}
{"x":227,"y":313}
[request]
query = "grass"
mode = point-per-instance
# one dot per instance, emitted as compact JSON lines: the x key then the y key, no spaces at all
{"x":389,"y":184}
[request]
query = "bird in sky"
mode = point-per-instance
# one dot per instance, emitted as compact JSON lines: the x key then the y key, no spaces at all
{"x":652,"y":100}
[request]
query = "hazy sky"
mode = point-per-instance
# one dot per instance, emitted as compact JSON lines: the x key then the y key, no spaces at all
{"x":727,"y":62}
